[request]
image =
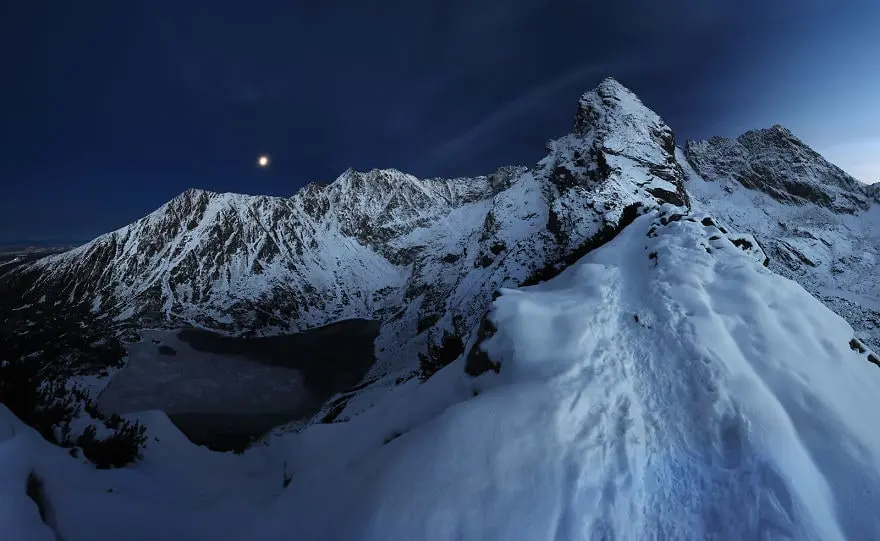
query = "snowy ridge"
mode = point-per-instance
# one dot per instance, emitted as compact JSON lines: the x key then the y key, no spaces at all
{"x":206,"y":257}
{"x":666,"y":386}
{"x":820,"y":226}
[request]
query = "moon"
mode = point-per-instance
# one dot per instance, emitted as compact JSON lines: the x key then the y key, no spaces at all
{"x":263,"y":161}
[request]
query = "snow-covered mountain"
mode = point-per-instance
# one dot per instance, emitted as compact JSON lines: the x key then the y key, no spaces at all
{"x":665,"y":386}
{"x":422,"y":256}
{"x":776,"y":162}
{"x":661,"y":380}
{"x":819,"y":226}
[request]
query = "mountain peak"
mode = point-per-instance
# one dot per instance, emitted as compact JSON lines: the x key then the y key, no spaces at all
{"x":352,"y":175}
{"x":610,"y":94}
{"x":190,"y":193}
{"x":775,"y":161}
{"x":779,"y":128}
{"x":620,"y":131}
{"x":776,"y":136}
{"x":612,"y":87}
{"x":188,"y":198}
{"x":607,"y":103}
{"x":613,"y":113}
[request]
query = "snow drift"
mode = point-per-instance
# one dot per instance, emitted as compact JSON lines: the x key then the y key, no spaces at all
{"x":666,"y":386}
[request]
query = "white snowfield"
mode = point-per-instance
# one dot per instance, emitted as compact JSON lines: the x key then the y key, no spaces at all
{"x":666,"y":386}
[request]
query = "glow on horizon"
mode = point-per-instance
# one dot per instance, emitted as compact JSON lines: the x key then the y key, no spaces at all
{"x":859,"y":158}
{"x":816,"y":76}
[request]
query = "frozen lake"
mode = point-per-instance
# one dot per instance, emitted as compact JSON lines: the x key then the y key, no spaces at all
{"x":220,"y":389}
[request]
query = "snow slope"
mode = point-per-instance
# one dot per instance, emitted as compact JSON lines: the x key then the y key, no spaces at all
{"x":710,"y":417}
{"x":666,"y":386}
{"x":179,"y":491}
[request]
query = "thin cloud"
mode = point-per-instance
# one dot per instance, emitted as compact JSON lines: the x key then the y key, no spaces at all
{"x":523,"y":105}
{"x":490,"y":130}
{"x":860,"y":158}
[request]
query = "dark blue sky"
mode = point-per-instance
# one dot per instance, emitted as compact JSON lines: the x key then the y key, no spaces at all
{"x":111,"y":108}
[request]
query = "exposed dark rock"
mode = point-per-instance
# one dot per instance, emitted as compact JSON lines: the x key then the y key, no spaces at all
{"x":742,"y":243}
{"x":666,"y":220}
{"x":450,"y":348}
{"x":602,"y":237}
{"x":478,"y":361}
{"x":629,"y":215}
{"x":792,"y":255}
{"x":563,"y":178}
{"x":667,"y":196}
{"x":335,"y":410}
{"x":483,"y":261}
{"x":490,"y":227}
{"x":393,"y":436}
{"x":603,"y":170}
{"x":427,"y":322}
{"x":855,"y":345}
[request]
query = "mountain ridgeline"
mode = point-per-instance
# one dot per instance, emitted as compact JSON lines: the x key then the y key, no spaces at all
{"x":423,"y":257}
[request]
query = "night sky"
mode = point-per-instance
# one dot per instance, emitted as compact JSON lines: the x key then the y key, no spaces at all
{"x":110,"y":109}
